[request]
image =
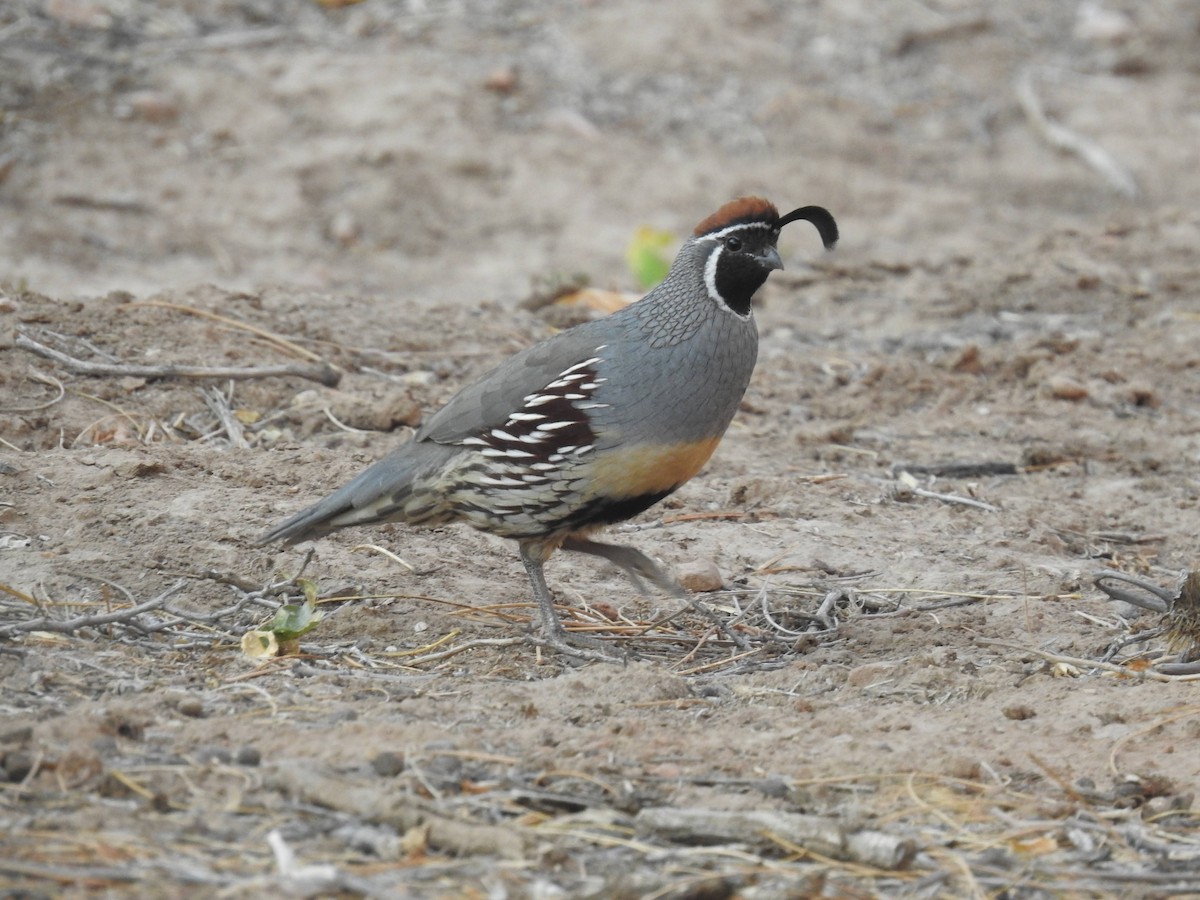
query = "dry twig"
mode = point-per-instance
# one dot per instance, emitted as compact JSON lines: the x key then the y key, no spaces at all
{"x":219,"y":406}
{"x":818,"y":833}
{"x":324,"y":374}
{"x":70,"y":626}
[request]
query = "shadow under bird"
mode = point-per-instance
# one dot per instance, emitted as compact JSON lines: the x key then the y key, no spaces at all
{"x":591,"y":426}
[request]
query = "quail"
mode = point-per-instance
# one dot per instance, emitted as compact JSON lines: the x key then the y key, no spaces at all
{"x":591,"y":426}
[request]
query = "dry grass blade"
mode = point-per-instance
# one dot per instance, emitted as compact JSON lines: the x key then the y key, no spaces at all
{"x":1187,"y":713}
{"x":270,"y":337}
{"x":20,"y":595}
{"x":41,"y":379}
{"x":382,"y":551}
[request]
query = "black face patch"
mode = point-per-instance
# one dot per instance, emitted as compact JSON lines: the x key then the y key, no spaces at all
{"x":738,"y":276}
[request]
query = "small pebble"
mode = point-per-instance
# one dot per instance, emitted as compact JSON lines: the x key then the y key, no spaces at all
{"x":700,"y":575}
{"x":1019,"y":712}
{"x":16,"y":765}
{"x":388,"y":764}
{"x":418,"y":377}
{"x":502,"y":81}
{"x":1141,"y":394}
{"x":248,"y":756}
{"x":154,"y":106}
{"x":1160,"y":806}
{"x":1064,"y":387}
{"x":774,"y":786}
{"x":192,"y":707}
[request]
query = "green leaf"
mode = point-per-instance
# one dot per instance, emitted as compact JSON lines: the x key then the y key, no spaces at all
{"x":296,"y":619}
{"x":646,"y":256}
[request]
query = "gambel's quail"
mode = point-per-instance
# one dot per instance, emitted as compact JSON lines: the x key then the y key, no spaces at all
{"x":593,"y":425}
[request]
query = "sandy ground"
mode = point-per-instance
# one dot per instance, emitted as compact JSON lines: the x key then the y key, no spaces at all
{"x":377,"y":187}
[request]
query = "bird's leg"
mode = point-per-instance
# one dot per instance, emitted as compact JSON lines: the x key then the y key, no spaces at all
{"x":632,"y":562}
{"x":635,"y":563}
{"x":534,"y":556}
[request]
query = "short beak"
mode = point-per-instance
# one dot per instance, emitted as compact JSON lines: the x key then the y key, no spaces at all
{"x":770,"y":259}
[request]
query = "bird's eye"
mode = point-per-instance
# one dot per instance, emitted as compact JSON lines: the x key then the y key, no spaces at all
{"x":733,"y":244}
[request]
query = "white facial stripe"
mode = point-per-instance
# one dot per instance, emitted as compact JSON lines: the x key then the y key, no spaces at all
{"x":710,"y":282}
{"x":717,"y":235}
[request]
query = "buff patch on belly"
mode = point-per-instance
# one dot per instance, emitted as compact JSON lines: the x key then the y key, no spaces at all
{"x":642,"y":469}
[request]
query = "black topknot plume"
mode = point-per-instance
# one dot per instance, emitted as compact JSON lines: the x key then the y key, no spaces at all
{"x":820,"y":217}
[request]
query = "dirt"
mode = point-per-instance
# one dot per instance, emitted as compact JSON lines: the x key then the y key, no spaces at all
{"x":377,"y":187}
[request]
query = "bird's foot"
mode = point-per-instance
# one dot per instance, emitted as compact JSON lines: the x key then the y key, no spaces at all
{"x":576,"y":645}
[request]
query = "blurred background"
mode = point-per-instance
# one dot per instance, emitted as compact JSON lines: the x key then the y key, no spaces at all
{"x":451,"y":151}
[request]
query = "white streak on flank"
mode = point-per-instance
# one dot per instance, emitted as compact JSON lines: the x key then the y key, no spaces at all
{"x":539,"y":399}
{"x":583,"y":406}
{"x":501,"y":481}
{"x":511,"y":453}
{"x":525,"y":417}
{"x":554,"y":426}
{"x":473,"y":442}
{"x":584,"y":364}
{"x":503,"y":435}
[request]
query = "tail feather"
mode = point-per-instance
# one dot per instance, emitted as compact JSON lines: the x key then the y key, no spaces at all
{"x":379,"y":494}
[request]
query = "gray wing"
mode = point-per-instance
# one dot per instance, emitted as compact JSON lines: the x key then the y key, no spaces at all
{"x":379,"y":493}
{"x":488,"y":402}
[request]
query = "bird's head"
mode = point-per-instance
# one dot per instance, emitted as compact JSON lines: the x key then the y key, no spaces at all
{"x":736,"y":246}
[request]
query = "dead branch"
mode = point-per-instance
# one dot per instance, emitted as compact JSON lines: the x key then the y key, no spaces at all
{"x":323,"y":374}
{"x":816,"y":833}
{"x":70,"y":626}
{"x":1062,"y":138}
